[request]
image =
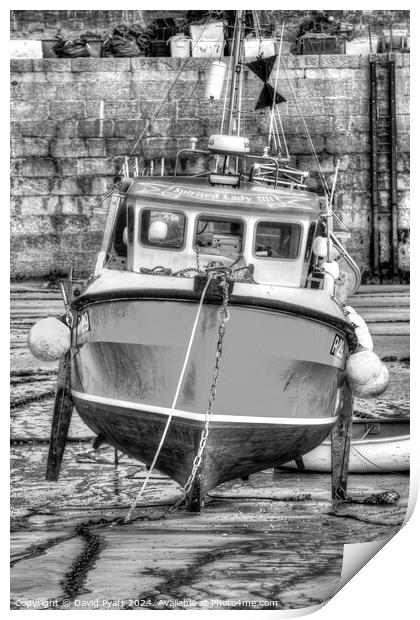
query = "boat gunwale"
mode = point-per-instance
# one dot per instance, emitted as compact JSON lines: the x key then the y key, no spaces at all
{"x":190,"y":296}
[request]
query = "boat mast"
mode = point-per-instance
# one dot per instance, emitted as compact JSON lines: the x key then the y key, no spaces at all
{"x":236,"y":71}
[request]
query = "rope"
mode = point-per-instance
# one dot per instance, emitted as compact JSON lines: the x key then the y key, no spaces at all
{"x":178,"y":388}
{"x":323,"y":179}
{"x":362,"y":456}
{"x":168,"y":92}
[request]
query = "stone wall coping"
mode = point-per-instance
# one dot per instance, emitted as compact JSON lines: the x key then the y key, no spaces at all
{"x":333,"y":61}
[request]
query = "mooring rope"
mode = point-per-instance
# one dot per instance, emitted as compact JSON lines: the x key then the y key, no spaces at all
{"x":174,"y":402}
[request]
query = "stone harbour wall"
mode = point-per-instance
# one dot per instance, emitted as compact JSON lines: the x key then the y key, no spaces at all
{"x":72,"y":122}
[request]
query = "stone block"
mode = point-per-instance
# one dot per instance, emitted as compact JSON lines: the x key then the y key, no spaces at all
{"x":29,"y":147}
{"x":33,"y":92}
{"x":118,"y":146}
{"x":29,"y":186}
{"x":348,"y":143}
{"x":28,"y":110}
{"x":95,"y":128}
{"x":33,"y":167}
{"x":21,"y":65}
{"x":78,"y":147}
{"x":52,"y":65}
{"x":67,"y":110}
{"x":67,"y":129}
{"x":125,"y":109}
{"x":95,"y":65}
{"x":98,"y":166}
{"x":103,"y":90}
{"x":34,"y":129}
{"x":128,"y":128}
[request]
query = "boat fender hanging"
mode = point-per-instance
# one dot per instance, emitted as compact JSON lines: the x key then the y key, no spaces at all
{"x":49,"y":339}
{"x":362,"y":332}
{"x":366,"y":374}
{"x":320,"y":246}
{"x":331,"y":273}
{"x":215,"y":79}
{"x":332,"y":268}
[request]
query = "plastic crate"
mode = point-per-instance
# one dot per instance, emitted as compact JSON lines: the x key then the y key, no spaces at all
{"x":315,"y":46}
{"x":213,"y":31}
{"x":207,"y":49}
{"x":361,"y":45}
{"x":159,"y":48}
{"x":162,"y":29}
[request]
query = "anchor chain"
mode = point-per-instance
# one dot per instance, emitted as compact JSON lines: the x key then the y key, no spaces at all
{"x":223,"y":316}
{"x":31,"y":399}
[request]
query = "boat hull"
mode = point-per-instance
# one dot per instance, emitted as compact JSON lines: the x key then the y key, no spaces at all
{"x":387,"y":452}
{"x":277,"y":395}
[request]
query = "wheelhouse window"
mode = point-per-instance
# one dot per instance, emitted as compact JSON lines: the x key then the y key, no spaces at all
{"x":119,"y":242}
{"x":220,"y":236}
{"x":277,"y":240}
{"x":162,"y":229}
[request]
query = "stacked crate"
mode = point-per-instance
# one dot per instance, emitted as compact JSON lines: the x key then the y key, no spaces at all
{"x":208,"y":40}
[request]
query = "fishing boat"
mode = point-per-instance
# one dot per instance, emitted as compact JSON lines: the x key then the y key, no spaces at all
{"x":378,"y":445}
{"x":211,"y":340}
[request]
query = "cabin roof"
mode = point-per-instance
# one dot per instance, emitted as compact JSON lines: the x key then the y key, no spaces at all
{"x":250,"y":197}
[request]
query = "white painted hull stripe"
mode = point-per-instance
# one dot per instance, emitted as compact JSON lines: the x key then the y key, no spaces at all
{"x":123,"y":404}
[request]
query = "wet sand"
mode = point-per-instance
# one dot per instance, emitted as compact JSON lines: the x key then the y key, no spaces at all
{"x":273,"y":542}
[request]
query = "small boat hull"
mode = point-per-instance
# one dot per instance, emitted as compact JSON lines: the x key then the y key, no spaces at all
{"x":386,"y":452}
{"x":276,"y":397}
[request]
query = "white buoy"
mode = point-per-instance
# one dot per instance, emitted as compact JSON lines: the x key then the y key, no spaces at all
{"x":366,"y":374}
{"x":49,"y":339}
{"x":215,"y":79}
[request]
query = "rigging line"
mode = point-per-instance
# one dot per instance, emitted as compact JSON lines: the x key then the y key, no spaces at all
{"x":389,"y":471}
{"x":322,"y":176}
{"x":168,"y":92}
{"x":174,"y":402}
{"x":283,"y":134}
{"x":275,"y":85}
{"x":276,"y":135}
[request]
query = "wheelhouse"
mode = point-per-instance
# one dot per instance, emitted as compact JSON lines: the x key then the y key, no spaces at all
{"x":159,"y":224}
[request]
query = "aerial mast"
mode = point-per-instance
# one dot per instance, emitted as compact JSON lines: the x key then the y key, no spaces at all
{"x":236,"y":72}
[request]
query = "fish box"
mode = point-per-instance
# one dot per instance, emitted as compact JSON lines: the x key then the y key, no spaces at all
{"x":207,"y":49}
{"x":213,"y":31}
{"x":361,"y":45}
{"x":25,"y":49}
{"x":253,"y":46}
{"x":315,"y":45}
{"x":159,"y":48}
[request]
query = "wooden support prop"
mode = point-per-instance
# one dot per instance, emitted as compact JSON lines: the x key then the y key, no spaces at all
{"x":340,"y":446}
{"x":63,"y":409}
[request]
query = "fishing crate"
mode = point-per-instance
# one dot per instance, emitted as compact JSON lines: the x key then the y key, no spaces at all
{"x":322,"y":44}
{"x":159,"y":48}
{"x":213,"y":31}
{"x":361,"y":45}
{"x":20,"y":48}
{"x":161,"y":29}
{"x":207,"y":49}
